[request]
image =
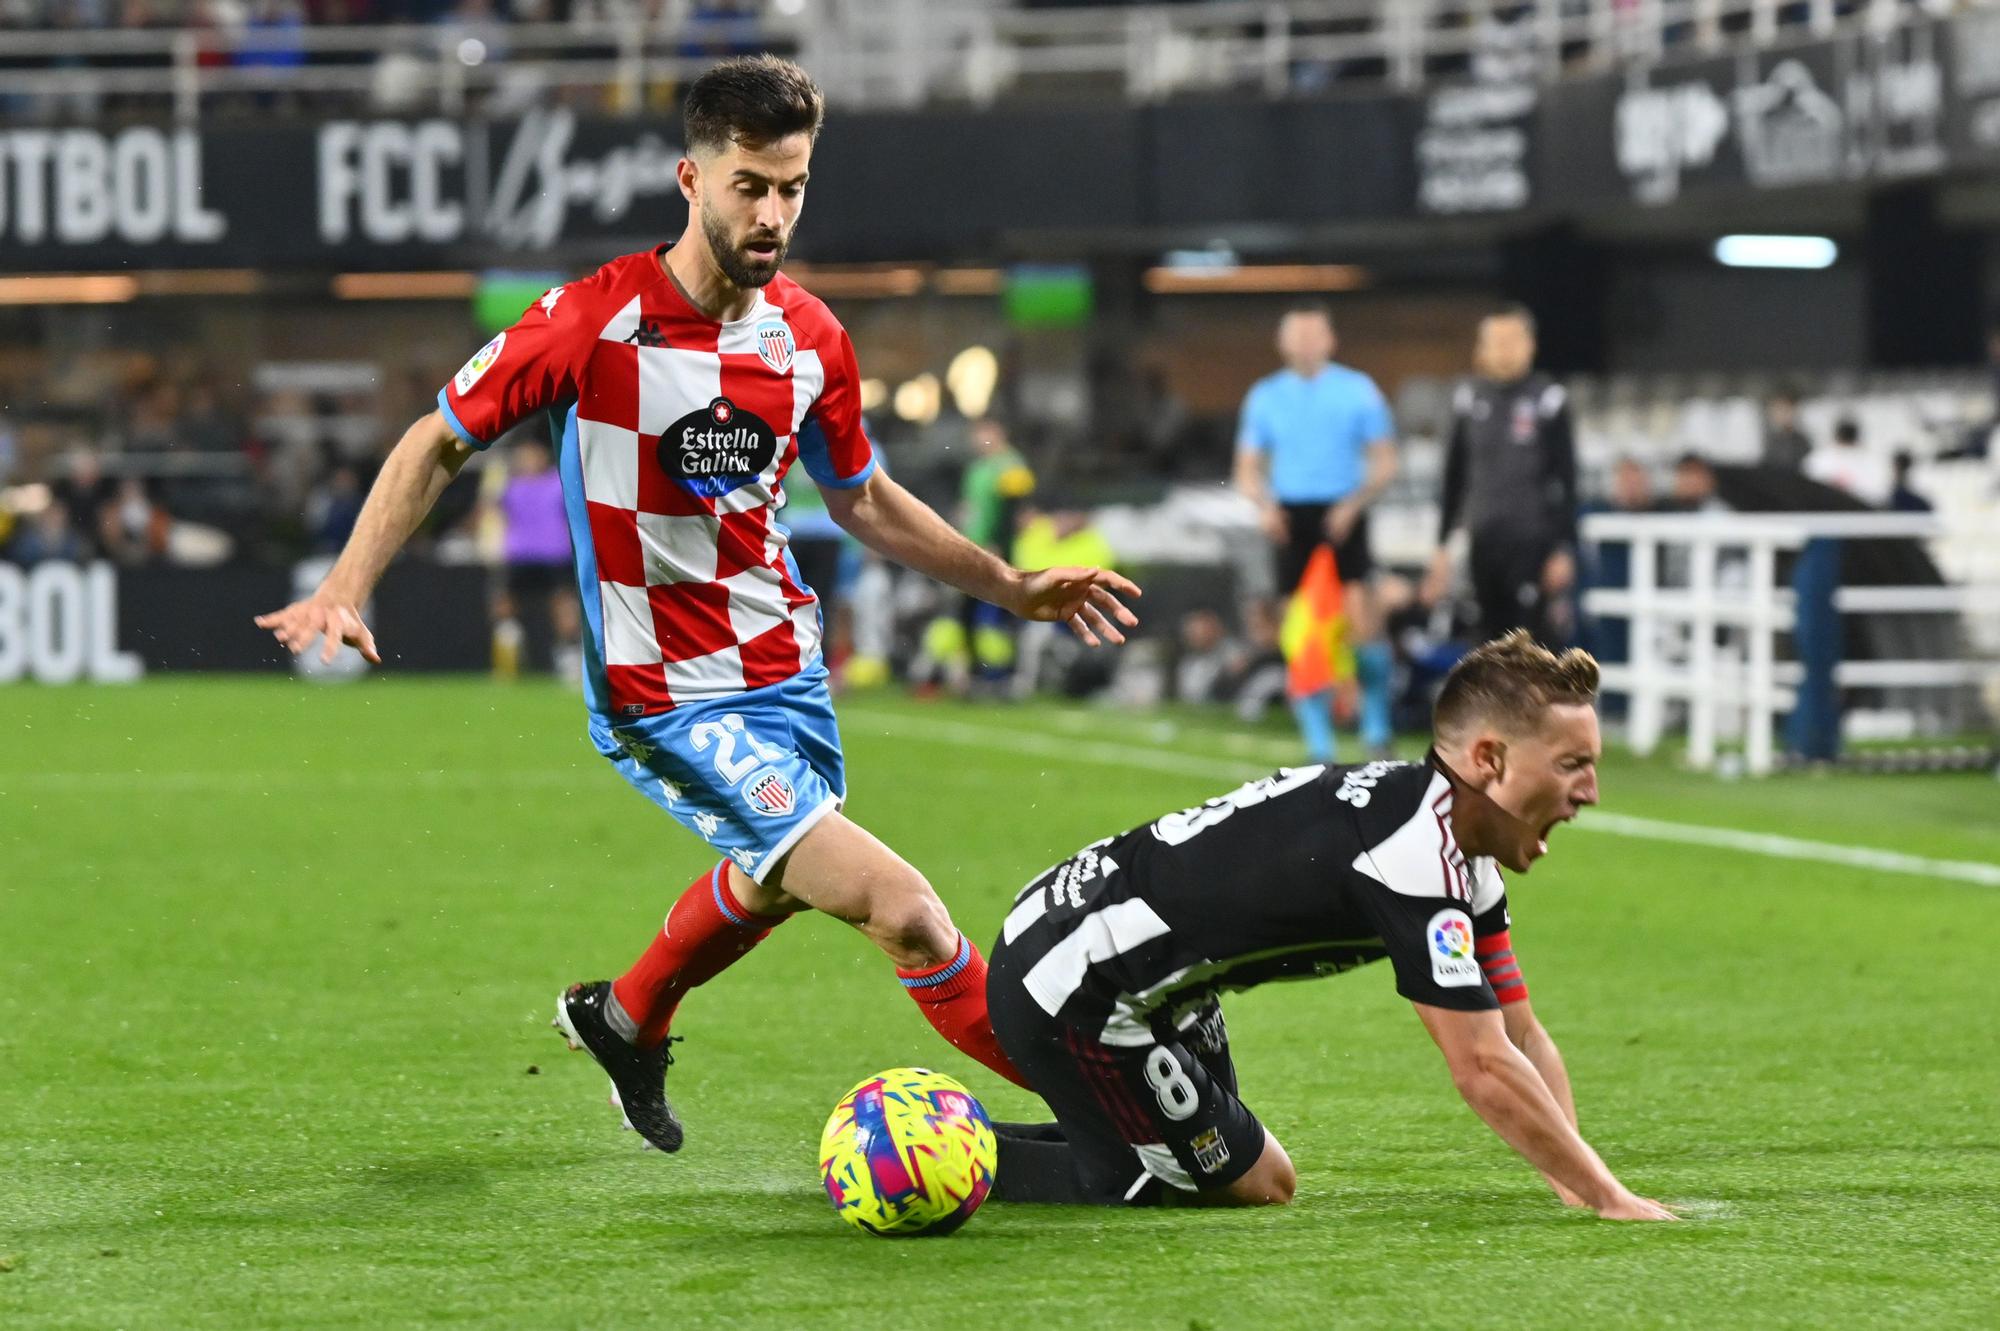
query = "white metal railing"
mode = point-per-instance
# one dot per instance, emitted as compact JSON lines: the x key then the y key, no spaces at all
{"x":948,"y":50}
{"x":1677,"y":653}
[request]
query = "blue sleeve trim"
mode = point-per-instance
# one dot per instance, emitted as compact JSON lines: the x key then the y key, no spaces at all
{"x":458,"y":427}
{"x":817,"y":458}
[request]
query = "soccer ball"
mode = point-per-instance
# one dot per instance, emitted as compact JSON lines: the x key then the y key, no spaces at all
{"x":908,"y":1151}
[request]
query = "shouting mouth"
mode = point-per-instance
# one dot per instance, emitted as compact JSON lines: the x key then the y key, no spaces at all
{"x":1542,"y":841}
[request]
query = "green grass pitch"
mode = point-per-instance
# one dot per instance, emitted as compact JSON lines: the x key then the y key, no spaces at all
{"x":277,"y":964}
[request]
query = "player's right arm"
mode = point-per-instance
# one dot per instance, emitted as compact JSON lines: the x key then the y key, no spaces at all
{"x":525,"y":369}
{"x":1503,"y":1088}
{"x":1251,"y":474}
{"x":418,"y":469}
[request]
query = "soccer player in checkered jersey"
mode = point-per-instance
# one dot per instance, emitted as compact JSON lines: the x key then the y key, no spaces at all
{"x":681,"y":384}
{"x":1104,"y":981}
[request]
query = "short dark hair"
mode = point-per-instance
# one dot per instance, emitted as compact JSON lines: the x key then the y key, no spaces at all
{"x":1847,"y":431}
{"x":1511,"y":681}
{"x":754,"y":99}
{"x":1513,"y":310}
{"x":1316,"y":309}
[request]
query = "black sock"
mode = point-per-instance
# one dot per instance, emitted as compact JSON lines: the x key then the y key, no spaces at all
{"x":1037,"y":1171}
{"x":1031,"y":1132}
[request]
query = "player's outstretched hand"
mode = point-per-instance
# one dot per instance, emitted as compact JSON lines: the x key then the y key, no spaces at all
{"x":1633,"y":1207}
{"x":299,"y":624}
{"x":1086,"y":599}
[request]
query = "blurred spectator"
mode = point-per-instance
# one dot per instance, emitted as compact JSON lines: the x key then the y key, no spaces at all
{"x":332,"y":508}
{"x":49,"y":534}
{"x":535,"y":546}
{"x":1694,"y":489}
{"x":1063,"y":534}
{"x":977,"y":635}
{"x":1903,"y":499}
{"x":85,"y":492}
{"x":1207,"y":658}
{"x":1846,"y":465}
{"x":152,"y":426}
{"x":1631,"y":487}
{"x":205,"y":425}
{"x":1510,"y":482}
{"x":1785,"y":444}
{"x":133,"y":527}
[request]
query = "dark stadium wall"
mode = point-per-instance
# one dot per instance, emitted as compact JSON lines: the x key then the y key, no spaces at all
{"x":1686,"y":313}
{"x":1924,"y":287}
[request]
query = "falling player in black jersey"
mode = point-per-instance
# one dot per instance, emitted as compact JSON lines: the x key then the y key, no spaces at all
{"x":1103,"y":984}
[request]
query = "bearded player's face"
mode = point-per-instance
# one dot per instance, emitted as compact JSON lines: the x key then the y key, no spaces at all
{"x":749,"y":197}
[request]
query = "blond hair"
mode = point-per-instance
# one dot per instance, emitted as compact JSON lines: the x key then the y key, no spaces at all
{"x":1510,"y":683}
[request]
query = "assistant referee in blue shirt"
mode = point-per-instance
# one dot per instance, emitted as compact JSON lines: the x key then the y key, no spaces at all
{"x":1315,"y":448}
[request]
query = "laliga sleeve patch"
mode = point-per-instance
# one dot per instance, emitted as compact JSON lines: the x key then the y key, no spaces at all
{"x":482,"y":361}
{"x":1449,"y":938}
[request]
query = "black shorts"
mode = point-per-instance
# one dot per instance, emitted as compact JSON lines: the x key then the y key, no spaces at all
{"x":1507,"y":584}
{"x":1137,"y":1118}
{"x":1305,"y":526}
{"x":526,"y":580}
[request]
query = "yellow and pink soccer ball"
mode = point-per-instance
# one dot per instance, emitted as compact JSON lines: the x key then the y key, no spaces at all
{"x":908,"y":1151}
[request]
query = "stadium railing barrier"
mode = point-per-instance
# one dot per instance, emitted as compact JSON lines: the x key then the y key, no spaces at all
{"x":972,"y":52}
{"x":1709,"y":638}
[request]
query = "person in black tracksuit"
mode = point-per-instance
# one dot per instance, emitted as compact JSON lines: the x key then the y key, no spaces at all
{"x":1510,"y":481}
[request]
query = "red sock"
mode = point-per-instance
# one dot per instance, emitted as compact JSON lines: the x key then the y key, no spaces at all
{"x":953,"y":999}
{"x":706,"y":931}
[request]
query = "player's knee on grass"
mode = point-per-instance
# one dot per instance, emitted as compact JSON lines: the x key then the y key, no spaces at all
{"x":1272,"y":1181}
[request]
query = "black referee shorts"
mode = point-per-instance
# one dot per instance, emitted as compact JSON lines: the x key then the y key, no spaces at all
{"x":1138,"y":1119}
{"x":1305,"y":532}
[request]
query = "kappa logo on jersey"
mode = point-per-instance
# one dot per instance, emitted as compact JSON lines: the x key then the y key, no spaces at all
{"x":1450,"y":936}
{"x":482,"y":361}
{"x":770,"y":794}
{"x":647,"y":334}
{"x":549,"y":299}
{"x":632,"y":746}
{"x":708,"y":824}
{"x":1210,"y":1151}
{"x":717,"y":449}
{"x":774,"y":344}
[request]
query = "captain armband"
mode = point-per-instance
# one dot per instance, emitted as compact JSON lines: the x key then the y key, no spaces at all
{"x":1496,"y":960}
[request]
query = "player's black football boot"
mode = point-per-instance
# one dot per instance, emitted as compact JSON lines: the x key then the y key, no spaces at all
{"x":638,"y":1076}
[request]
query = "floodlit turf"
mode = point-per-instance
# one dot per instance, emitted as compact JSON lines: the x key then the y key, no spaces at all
{"x":277,"y":963}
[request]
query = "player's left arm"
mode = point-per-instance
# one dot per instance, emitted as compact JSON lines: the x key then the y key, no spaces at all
{"x":897,"y":525}
{"x":1376,"y":427}
{"x":1526,"y":1032}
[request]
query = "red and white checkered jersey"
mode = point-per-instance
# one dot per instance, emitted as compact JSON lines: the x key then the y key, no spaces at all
{"x":676,"y":433}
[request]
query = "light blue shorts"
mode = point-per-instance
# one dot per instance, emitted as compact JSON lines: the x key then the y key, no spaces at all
{"x":749,"y":774}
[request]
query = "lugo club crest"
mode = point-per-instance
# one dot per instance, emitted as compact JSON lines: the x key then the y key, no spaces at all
{"x":717,"y":449}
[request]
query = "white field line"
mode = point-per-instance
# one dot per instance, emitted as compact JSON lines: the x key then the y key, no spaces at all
{"x":1592,"y":820}
{"x":1059,"y":750}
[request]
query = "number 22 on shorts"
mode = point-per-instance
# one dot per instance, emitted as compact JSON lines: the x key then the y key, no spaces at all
{"x":722,"y":735}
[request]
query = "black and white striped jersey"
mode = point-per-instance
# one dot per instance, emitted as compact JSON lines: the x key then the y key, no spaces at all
{"x":1311,"y":871}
